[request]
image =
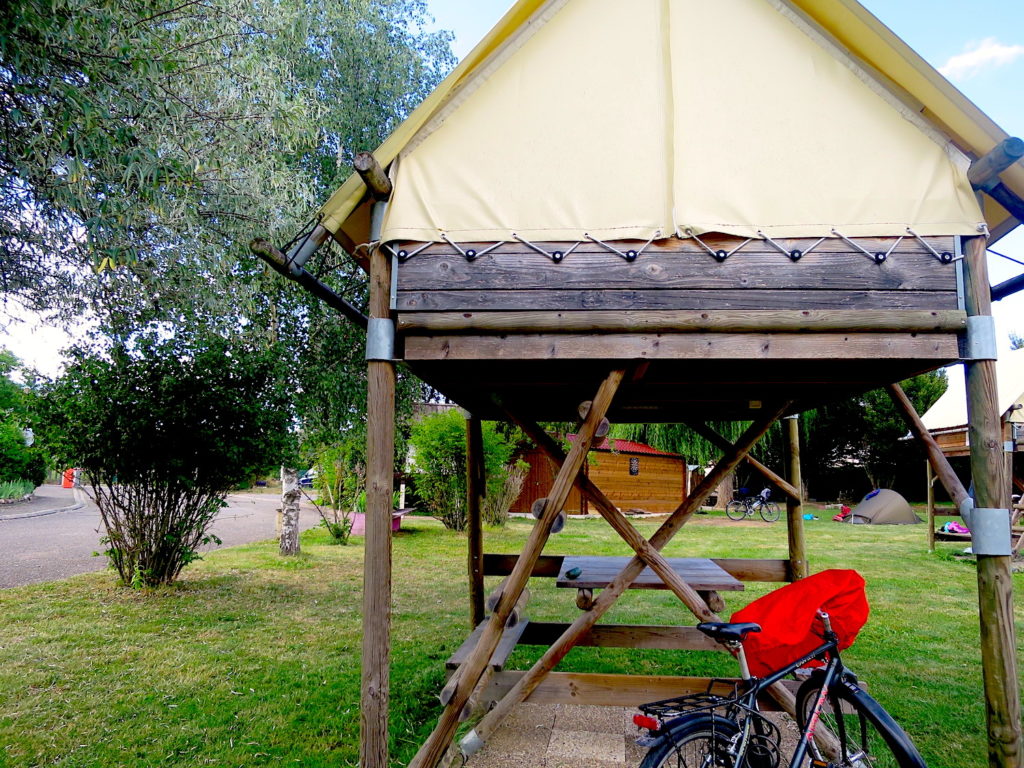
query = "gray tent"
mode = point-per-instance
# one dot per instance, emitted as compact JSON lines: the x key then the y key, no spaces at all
{"x":883,"y":507}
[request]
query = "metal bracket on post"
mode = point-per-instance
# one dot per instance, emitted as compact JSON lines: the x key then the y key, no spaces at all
{"x":980,"y":339}
{"x":380,"y":339}
{"x":990,"y":529}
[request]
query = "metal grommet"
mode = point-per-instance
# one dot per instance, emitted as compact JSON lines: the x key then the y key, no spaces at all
{"x":557,"y":256}
{"x":403,"y":255}
{"x":946,"y":257}
{"x":796,"y":255}
{"x":470,"y":254}
{"x":630,"y":255}
{"x":879,"y":257}
{"x":721,"y":255}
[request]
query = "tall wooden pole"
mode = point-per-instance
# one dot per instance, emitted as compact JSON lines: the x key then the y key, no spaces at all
{"x":930,"y":477}
{"x":991,"y":491}
{"x":474,"y":526}
{"x":798,"y":566}
{"x":380,"y":450}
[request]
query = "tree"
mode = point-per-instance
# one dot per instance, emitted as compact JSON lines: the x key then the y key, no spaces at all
{"x":867,"y":432}
{"x":163,"y":428}
{"x":439,"y":464}
{"x":18,"y":459}
{"x":145,"y":140}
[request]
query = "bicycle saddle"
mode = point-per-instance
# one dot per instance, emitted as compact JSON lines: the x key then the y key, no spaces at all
{"x":724,"y":632}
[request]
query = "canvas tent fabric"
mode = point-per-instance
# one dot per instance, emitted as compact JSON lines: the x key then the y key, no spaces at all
{"x":950,"y":410}
{"x":629,"y":110}
{"x":884,"y":507}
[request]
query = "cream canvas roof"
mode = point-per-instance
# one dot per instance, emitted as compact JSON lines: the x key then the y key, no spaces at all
{"x":630,"y":120}
{"x":950,"y":410}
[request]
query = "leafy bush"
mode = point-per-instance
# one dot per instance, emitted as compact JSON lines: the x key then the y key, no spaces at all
{"x":439,"y":464}
{"x":495,"y":506}
{"x":16,"y":489}
{"x":17,"y":460}
{"x":163,"y":429}
{"x":340,"y":479}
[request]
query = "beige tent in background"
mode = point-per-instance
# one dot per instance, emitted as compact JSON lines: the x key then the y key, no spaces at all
{"x":883,"y":507}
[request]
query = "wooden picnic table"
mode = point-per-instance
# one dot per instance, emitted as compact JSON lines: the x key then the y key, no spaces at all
{"x":597,"y":572}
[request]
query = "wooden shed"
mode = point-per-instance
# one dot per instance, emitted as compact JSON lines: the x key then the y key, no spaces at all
{"x":677,"y":210}
{"x":634,"y":476}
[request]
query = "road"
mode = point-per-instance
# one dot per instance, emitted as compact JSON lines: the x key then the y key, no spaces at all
{"x":56,"y":546}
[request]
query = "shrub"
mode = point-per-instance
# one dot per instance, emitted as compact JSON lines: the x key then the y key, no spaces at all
{"x":439,"y":464}
{"x":163,"y":429}
{"x":495,"y":506}
{"x":340,"y":479}
{"x":16,"y":489}
{"x":17,"y":460}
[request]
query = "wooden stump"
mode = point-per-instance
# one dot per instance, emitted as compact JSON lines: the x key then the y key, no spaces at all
{"x":289,"y":511}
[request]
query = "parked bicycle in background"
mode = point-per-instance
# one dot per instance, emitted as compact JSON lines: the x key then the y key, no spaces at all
{"x":746,"y":505}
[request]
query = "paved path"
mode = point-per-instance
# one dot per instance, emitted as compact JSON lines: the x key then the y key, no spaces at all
{"x":55,"y":546}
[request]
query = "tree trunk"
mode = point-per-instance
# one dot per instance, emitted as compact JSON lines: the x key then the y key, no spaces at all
{"x":289,"y":511}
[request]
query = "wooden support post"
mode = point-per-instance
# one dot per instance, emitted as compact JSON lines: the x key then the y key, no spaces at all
{"x":984,"y":172}
{"x":799,"y":567}
{"x":474,"y":527}
{"x":930,"y":477}
{"x":991,"y":490}
{"x":434,"y":747}
{"x":380,"y":450}
{"x":940,"y":464}
{"x":529,"y":681}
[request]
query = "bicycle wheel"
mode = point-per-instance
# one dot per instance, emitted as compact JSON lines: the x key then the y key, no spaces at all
{"x":769,"y":511}
{"x":868,"y":736}
{"x":736,"y":510}
{"x":695,"y":741}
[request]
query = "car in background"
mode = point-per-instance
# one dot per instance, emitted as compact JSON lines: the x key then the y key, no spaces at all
{"x":306,"y":478}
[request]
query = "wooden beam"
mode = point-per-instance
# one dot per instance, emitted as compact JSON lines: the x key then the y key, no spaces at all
{"x":681,"y":321}
{"x":798,"y":562}
{"x":694,"y":346}
{"x":984,"y":172}
{"x":722,"y":444}
{"x":1008,"y":287}
{"x":373,"y":175}
{"x":938,"y":460}
{"x":471,"y":671}
{"x":475,"y":485}
{"x":624,"y":636}
{"x":272,"y":256}
{"x":742,"y":568}
{"x":991,"y":490}
{"x":380,"y":451}
{"x":930,"y":489}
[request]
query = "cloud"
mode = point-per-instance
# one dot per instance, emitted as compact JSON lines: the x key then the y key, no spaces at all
{"x":978,"y":56}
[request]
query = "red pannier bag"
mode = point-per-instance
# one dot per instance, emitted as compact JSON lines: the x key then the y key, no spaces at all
{"x":790,"y":627}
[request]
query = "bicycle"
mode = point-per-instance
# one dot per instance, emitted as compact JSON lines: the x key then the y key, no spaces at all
{"x":710,"y":730}
{"x":745,"y":506}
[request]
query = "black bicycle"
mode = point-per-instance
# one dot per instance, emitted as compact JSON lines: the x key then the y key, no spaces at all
{"x":710,"y":730}
{"x":744,"y":506}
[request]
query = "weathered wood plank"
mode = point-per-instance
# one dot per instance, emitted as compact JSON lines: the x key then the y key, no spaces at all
{"x":613,"y":690}
{"x":625,"y":636}
{"x":502,"y":565}
{"x":554,"y":299}
{"x":754,"y":569}
{"x":679,"y":321}
{"x":720,"y":346}
{"x":690,"y":270}
{"x":509,"y":639}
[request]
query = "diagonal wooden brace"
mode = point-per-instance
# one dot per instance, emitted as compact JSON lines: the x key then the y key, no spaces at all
{"x":583,"y":623}
{"x":472,"y":669}
{"x":722,"y":444}
{"x":940,"y":464}
{"x":619,"y":523}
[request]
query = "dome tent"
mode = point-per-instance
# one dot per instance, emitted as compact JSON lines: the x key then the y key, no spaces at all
{"x":883,"y":507}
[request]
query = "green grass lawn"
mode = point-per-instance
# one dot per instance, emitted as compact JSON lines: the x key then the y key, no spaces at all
{"x":254,"y":660}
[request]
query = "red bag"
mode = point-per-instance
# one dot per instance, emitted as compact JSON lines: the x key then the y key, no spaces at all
{"x":789,"y":623}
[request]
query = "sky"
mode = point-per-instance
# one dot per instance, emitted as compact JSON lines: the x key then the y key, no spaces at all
{"x":978,"y":45}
